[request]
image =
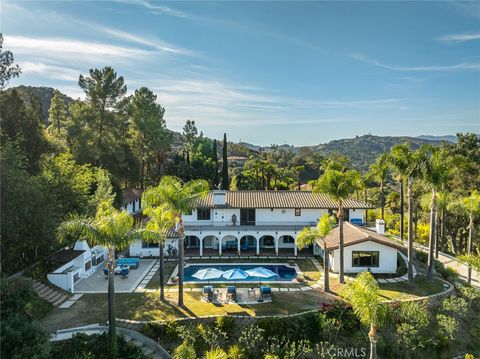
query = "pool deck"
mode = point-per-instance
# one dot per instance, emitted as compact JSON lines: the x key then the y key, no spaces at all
{"x":97,"y":283}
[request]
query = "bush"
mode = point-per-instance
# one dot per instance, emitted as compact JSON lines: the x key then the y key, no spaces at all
{"x":185,"y":351}
{"x":252,"y":342}
{"x":455,"y":305}
{"x":94,"y":346}
{"x":448,"y":326}
{"x":226,"y":324}
{"x":449,"y":274}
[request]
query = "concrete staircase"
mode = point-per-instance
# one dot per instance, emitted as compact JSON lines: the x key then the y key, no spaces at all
{"x":52,"y":296}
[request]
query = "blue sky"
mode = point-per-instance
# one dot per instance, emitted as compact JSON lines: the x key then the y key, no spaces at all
{"x":301,"y":73}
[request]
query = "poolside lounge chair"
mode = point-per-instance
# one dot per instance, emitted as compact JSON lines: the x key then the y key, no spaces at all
{"x":124,"y":272}
{"x":265,"y":292}
{"x":231,"y":293}
{"x":207,"y":293}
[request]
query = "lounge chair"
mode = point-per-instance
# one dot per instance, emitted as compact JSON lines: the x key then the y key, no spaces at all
{"x":207,"y":293}
{"x":265,"y":292}
{"x":231,"y":293}
{"x":124,"y":272}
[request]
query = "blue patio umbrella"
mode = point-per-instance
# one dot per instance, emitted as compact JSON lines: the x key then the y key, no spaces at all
{"x":208,"y":273}
{"x":261,"y":272}
{"x":235,"y":274}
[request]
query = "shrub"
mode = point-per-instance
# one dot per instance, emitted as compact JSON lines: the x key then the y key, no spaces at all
{"x":234,"y":352}
{"x":448,"y":326}
{"x":94,"y":346}
{"x":421,"y":256}
{"x":226,"y":324}
{"x":185,"y":351}
{"x":455,"y":305}
{"x":447,"y":273}
{"x":252,"y":342}
{"x":216,"y":353}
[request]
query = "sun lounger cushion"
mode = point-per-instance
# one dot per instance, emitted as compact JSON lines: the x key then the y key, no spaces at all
{"x":132,"y":262}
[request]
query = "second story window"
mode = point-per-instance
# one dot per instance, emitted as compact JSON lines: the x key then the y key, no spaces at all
{"x":298,"y":212}
{"x":203,"y":214}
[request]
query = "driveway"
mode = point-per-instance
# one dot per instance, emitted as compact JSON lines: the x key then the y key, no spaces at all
{"x":97,"y":282}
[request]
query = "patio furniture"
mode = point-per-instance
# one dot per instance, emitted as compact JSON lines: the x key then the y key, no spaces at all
{"x":134,"y":263}
{"x":207,"y":293}
{"x":231,"y":293}
{"x":118,"y":269}
{"x":124,"y":272}
{"x":265,"y":292}
{"x":251,"y":292}
{"x":105,"y":271}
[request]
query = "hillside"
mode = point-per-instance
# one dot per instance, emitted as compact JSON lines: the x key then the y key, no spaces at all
{"x":361,"y":150}
{"x":44,"y":93}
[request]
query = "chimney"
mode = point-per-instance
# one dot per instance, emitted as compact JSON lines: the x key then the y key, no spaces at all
{"x":380,"y":226}
{"x":219,"y":198}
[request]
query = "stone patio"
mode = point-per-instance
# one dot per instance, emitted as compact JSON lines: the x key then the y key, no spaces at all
{"x":97,"y":282}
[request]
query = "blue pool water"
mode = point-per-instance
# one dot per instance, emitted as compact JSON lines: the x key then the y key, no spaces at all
{"x":283,"y":272}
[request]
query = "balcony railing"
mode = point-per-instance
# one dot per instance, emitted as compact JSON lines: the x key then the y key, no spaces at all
{"x":258,"y":226}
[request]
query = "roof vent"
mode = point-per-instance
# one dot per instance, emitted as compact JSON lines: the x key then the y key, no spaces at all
{"x":219,"y":198}
{"x":380,"y":226}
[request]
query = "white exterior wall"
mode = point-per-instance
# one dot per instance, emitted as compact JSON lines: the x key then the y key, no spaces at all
{"x":136,"y":249}
{"x":129,"y":206}
{"x":387,"y":258}
{"x":62,"y":280}
{"x":357,"y":213}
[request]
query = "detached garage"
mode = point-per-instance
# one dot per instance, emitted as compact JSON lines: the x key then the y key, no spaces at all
{"x":363,"y":249}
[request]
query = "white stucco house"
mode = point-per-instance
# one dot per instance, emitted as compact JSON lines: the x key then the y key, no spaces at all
{"x":363,"y":249}
{"x":132,"y":200}
{"x":262,"y":223}
{"x":75,"y":263}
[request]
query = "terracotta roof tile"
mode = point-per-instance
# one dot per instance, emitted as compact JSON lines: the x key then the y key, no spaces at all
{"x":353,"y":234}
{"x":278,"y":199}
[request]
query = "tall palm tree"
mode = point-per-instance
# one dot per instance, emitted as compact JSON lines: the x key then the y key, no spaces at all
{"x":379,"y":171}
{"x":308,"y":235}
{"x":472,"y":205}
{"x":179,"y":197}
{"x":112,"y":229}
{"x":363,"y":295}
{"x":443,"y":201}
{"x":161,"y":220}
{"x":339,"y":183}
{"x":408,"y":165}
{"x":435,"y":174}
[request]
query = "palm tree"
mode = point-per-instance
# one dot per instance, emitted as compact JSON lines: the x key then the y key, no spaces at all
{"x":179,"y":197}
{"x":339,"y":184}
{"x":162,"y":219}
{"x":363,"y":295}
{"x":112,"y":229}
{"x":408,"y":166}
{"x":443,"y":201}
{"x":435,"y":174}
{"x":472,"y":205}
{"x":379,"y":171}
{"x":308,"y":235}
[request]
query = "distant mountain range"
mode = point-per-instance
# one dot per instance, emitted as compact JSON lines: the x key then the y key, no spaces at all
{"x":361,"y":150}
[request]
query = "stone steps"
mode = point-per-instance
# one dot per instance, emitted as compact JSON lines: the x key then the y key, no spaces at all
{"x":51,"y":295}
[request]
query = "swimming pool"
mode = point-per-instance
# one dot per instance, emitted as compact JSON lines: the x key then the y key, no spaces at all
{"x":283,"y":272}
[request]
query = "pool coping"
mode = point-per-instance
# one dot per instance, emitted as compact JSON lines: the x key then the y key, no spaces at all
{"x":295,"y":266}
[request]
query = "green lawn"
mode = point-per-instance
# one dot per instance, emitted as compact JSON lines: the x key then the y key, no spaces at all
{"x":92,"y":308}
{"x":421,"y":287}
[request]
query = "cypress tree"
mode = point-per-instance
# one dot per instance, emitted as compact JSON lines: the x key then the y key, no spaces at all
{"x":225,"y":182}
{"x":215,"y":162}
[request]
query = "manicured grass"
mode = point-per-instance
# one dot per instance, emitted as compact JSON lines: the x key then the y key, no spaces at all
{"x":168,"y":270}
{"x":421,"y":287}
{"x":92,"y":308}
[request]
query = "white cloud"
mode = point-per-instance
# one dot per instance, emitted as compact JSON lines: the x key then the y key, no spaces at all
{"x":456,"y":67}
{"x":156,"y":8}
{"x":457,"y":38}
{"x":49,"y":71}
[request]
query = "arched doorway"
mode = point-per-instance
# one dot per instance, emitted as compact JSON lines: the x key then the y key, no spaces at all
{"x":267,"y":245}
{"x":286,"y":245}
{"x":209,"y":246}
{"x":248,"y":244}
{"x":229,"y":246}
{"x":191,"y":245}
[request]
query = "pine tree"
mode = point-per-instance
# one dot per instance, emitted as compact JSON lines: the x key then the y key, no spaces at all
{"x":225,"y":182}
